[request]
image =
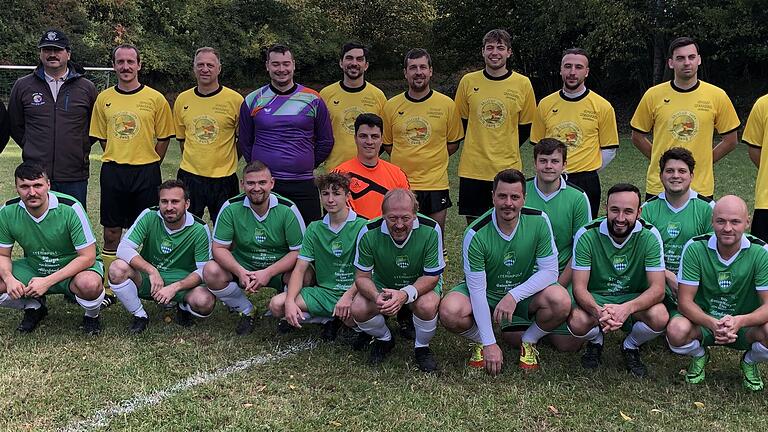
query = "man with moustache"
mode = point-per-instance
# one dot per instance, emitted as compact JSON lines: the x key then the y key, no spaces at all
{"x":206,"y":119}
{"x":50,"y":113}
{"x":618,"y":280}
{"x":134,"y":125}
{"x":581,"y":119}
{"x":349,"y":98}
{"x":256,"y":241}
{"x":161,"y":258}
{"x":287,"y":127}
{"x":496,"y":106}
{"x":422,"y":128}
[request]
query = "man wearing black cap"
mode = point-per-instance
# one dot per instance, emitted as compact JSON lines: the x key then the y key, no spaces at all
{"x":50,"y":113}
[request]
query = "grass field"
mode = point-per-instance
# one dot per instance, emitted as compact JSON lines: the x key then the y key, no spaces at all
{"x":206,"y":378}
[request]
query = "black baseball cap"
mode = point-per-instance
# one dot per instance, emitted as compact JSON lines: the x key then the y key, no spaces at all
{"x":54,"y":38}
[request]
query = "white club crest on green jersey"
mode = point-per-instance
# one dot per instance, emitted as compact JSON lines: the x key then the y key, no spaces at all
{"x":166,"y":246}
{"x":337,"y":248}
{"x":620,"y":263}
{"x":673,"y":229}
{"x":724,"y":280}
{"x":509,"y":258}
{"x":260,"y":235}
{"x":402,"y":261}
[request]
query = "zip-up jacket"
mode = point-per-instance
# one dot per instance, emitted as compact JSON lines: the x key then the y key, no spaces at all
{"x":54,"y":134}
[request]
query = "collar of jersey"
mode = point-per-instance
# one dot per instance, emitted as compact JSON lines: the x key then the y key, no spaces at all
{"x":429,"y":95}
{"x":352,"y":89}
{"x":385,"y":230}
{"x":53,"y":202}
{"x":188,"y":221}
{"x":501,"y":233}
{"x":283,"y":93}
{"x":211,"y":94}
{"x":498,"y":78}
{"x":553,"y":194}
{"x":679,"y":90}
{"x":691,"y":195}
{"x":272,"y":203}
{"x":604,"y":231}
{"x":712,"y":244}
{"x":350,"y":217}
{"x":134,"y":91}
{"x":566,"y":98}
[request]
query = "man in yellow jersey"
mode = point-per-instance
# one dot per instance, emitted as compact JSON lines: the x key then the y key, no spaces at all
{"x":134,"y":125}
{"x":685,"y":112}
{"x":421,"y":129}
{"x":756,"y":136}
{"x":581,"y":119}
{"x":497,"y":107}
{"x":349,"y":98}
{"x":206,"y":124}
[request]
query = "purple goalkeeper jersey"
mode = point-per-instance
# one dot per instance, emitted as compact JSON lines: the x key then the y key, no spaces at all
{"x":289,"y":131}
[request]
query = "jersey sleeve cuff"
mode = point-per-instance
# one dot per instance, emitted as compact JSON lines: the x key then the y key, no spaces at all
{"x":750,"y":144}
{"x":582,"y":268}
{"x":295,"y":248}
{"x":166,"y":138}
{"x":305,"y":258}
{"x":363,"y":268}
{"x":6,"y":246}
{"x":639,"y":130}
{"x":687,"y":282}
{"x":655,"y":269}
{"x":82,"y":246}
{"x":762,"y":288}
{"x":732,"y":130}
{"x":222,"y":242}
{"x":434,"y":272}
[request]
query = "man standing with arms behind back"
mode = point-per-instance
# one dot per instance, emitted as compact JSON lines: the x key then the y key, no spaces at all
{"x":50,"y":113}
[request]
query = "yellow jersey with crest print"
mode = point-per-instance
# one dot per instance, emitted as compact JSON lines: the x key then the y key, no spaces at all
{"x":493,"y":108}
{"x":208,"y":126}
{"x":130,"y":122}
{"x":344,"y":105}
{"x":684,"y":118}
{"x":756,"y":135}
{"x":419,"y":132}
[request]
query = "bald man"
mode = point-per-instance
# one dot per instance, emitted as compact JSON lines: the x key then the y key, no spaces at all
{"x":723,"y":295}
{"x":399,"y":263}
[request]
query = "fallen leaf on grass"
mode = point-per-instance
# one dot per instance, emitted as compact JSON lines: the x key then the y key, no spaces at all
{"x":292,"y":387}
{"x":261,"y":389}
{"x":625,"y":417}
{"x":699,"y":405}
{"x":553,"y":410}
{"x":334,"y":423}
{"x":247,"y":405}
{"x":656,"y":411}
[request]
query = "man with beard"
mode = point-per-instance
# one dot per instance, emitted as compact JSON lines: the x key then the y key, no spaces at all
{"x":581,"y":119}
{"x":286,"y":126}
{"x":399,"y":262}
{"x":497,"y":107}
{"x":685,"y":112}
{"x":134,"y":124}
{"x":175,"y":245}
{"x":510,"y":270}
{"x":422,"y":128}
{"x":349,"y":98}
{"x":618,"y":280}
{"x":723,"y":295}
{"x":256,"y":241}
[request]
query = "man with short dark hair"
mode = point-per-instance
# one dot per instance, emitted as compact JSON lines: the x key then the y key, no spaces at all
{"x":685,"y":112}
{"x":161,"y":258}
{"x":52,"y":131}
{"x":349,"y":98}
{"x":581,"y":119}
{"x":497,"y":108}
{"x":60,"y":254}
{"x":206,"y":119}
{"x":287,"y":126}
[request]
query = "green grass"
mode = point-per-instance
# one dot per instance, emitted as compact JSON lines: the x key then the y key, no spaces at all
{"x":56,"y":375}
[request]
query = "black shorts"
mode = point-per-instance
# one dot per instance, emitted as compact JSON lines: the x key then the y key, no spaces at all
{"x":431,"y":202}
{"x":475,"y":196}
{"x":208,"y":192}
{"x":304,"y":194}
{"x":760,"y":224}
{"x":126,"y":190}
{"x":589,"y":182}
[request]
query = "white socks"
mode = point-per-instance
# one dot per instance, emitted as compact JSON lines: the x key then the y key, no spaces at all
{"x":639,"y":335}
{"x":128,"y":295}
{"x":594,"y":335}
{"x":533,"y":334}
{"x":376,"y":327}
{"x":693,"y":348}
{"x":92,"y":307}
{"x":473,"y":334}
{"x":425,"y":330}
{"x":758,"y":354}
{"x":22,"y":303}
{"x":234,"y":297}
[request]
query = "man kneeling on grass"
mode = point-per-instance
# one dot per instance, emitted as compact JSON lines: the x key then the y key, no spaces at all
{"x":329,"y":244}
{"x":175,"y":245}
{"x":723,"y":295}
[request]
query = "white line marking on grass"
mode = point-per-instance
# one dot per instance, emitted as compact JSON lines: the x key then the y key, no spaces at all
{"x":102,"y":417}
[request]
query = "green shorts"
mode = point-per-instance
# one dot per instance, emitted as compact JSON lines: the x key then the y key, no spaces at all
{"x":603,"y":300}
{"x":521,"y":311}
{"x":24,"y":272}
{"x":708,"y":338}
{"x":169,"y":276}
{"x":320,"y":301}
{"x":521,"y":324}
{"x":670,"y":301}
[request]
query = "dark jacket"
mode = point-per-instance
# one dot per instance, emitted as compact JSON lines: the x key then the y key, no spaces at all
{"x":54,"y":134}
{"x":5,"y":126}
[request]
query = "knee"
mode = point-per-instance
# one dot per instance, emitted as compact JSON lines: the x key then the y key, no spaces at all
{"x":657,"y":317}
{"x":361,"y":309}
{"x":88,"y":285}
{"x":201,"y":301}
{"x":277,"y":305}
{"x":452,"y":314}
{"x":119,"y":271}
{"x":678,"y":331}
{"x":580,"y":322}
{"x":426,"y":307}
{"x":558,"y":301}
{"x":213,"y":275}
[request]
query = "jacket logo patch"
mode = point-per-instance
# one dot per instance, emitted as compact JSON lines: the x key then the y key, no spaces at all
{"x":37,"y":99}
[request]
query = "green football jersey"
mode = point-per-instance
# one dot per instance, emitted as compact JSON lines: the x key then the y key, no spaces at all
{"x":51,"y":241}
{"x":617,"y":269}
{"x":188,"y":248}
{"x":259,"y":241}
{"x":507,"y":260}
{"x":397,"y":265}
{"x":677,"y":226}
{"x":568,"y":210}
{"x":725,"y":287}
{"x":332,"y":251}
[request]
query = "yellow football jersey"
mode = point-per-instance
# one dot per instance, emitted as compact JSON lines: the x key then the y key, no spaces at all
{"x":684,"y":118}
{"x":344,"y":105}
{"x":419,"y":132}
{"x":208,"y":126}
{"x":585,"y":124}
{"x":493,"y":108}
{"x":756,"y":135}
{"x":130,"y":122}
